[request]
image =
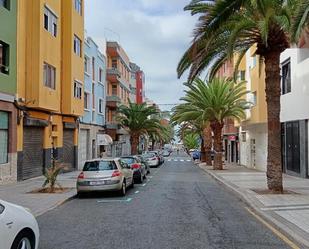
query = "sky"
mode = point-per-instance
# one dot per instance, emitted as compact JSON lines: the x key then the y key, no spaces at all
{"x":154,"y":33}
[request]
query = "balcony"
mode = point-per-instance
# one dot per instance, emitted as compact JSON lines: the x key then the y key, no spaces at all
{"x":112,"y":101}
{"x":113,"y":74}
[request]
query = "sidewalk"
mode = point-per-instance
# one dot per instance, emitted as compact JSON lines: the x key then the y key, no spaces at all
{"x":18,"y":193}
{"x":288,"y":212}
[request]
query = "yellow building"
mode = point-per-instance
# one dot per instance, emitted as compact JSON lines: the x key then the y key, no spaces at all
{"x":49,"y":83}
{"x":253,"y":130}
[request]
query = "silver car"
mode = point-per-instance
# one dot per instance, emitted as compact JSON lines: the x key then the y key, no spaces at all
{"x":152,"y":159}
{"x":105,"y":175}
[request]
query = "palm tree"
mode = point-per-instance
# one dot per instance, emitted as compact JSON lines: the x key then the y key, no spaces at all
{"x":138,"y":119}
{"x":216,"y":101}
{"x":190,"y":118}
{"x":190,"y":141}
{"x":228,"y":26}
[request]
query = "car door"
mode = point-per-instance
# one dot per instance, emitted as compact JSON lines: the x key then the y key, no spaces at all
{"x":143,"y":168}
{"x":128,"y":173}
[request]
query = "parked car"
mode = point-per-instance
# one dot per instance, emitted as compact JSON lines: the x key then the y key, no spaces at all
{"x":196,"y":155}
{"x":159,"y":154}
{"x":152,"y":159}
{"x":105,"y":175}
{"x":166,"y":153}
{"x":139,"y":169}
{"x":143,"y":160}
{"x":18,"y":227}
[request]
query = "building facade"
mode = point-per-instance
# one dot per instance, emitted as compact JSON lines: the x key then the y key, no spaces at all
{"x":118,"y":93}
{"x":253,"y":130}
{"x":50,"y":84}
{"x":8,"y":88}
{"x":294,"y":111}
{"x":93,"y":120}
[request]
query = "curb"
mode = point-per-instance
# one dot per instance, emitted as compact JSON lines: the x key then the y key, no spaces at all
{"x":255,"y":206}
{"x":69,"y":198}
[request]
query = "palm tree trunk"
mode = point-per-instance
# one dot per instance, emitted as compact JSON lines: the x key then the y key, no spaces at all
{"x":134,"y":144}
{"x":207,"y":137}
{"x":217,"y":130}
{"x":273,"y":91}
{"x":203,"y":152}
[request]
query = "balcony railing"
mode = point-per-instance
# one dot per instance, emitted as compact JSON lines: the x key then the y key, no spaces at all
{"x":113,"y":71}
{"x":113,"y":98}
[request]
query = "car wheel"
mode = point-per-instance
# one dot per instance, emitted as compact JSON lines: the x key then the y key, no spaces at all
{"x":24,"y":240}
{"x":123,"y":189}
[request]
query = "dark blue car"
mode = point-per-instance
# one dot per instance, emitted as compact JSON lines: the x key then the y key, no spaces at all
{"x":196,"y":155}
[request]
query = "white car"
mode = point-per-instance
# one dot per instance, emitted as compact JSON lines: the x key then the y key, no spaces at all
{"x":18,"y":227}
{"x":152,"y":159}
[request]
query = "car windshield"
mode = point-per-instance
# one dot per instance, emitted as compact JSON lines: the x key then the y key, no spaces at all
{"x":128,"y":160}
{"x":149,"y":155}
{"x":99,"y":166}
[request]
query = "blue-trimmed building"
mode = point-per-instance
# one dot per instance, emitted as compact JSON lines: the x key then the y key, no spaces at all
{"x":93,"y":121}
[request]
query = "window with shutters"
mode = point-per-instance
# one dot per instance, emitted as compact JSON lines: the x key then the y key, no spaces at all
{"x":50,"y":21}
{"x":78,"y":90}
{"x":286,"y":77}
{"x":49,"y":76}
{"x":77,"y":46}
{"x":78,"y":6}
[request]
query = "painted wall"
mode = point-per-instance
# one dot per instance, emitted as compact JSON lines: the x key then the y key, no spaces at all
{"x":140,"y":82}
{"x":294,"y":105}
{"x":8,"y":29}
{"x":92,"y":51}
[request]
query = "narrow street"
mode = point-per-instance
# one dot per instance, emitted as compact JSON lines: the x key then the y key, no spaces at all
{"x":178,"y":206}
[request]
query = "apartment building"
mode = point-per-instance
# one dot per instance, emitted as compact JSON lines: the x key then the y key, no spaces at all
{"x":253,"y":130}
{"x":8,"y":88}
{"x":294,"y":110}
{"x":50,"y":83}
{"x":118,"y":93}
{"x":92,"y":122}
{"x":137,"y":84}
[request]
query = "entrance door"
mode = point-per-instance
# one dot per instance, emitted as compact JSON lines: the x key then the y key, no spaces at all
{"x":232,"y":151}
{"x":253,"y":153}
{"x":83,"y":147}
{"x":292,"y":147}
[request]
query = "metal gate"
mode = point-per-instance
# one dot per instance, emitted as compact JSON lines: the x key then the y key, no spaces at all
{"x":68,"y":149}
{"x":32,"y":164}
{"x":83,"y":147}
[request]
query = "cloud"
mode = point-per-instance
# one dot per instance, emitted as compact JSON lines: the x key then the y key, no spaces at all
{"x":154,"y":33}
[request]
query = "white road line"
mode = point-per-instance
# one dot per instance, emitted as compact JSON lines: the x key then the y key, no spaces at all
{"x":115,"y":200}
{"x":189,"y":160}
{"x":150,"y":177}
{"x":175,"y":160}
{"x":169,"y":160}
{"x":136,"y":192}
{"x":182,"y":160}
{"x":285,"y":208}
{"x":144,"y":185}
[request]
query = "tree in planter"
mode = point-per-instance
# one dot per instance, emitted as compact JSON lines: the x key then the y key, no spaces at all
{"x":216,"y":101}
{"x":228,"y":26}
{"x":51,"y":175}
{"x":137,"y":119}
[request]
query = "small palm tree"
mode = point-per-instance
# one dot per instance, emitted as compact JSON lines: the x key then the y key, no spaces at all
{"x":216,"y":101}
{"x":51,"y":175}
{"x":190,"y":141}
{"x":228,"y":26}
{"x":138,"y":119}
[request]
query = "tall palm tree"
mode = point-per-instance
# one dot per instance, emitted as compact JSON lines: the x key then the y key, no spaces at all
{"x":138,"y":119}
{"x":228,"y":26}
{"x":216,"y":101}
{"x":190,"y":141}
{"x":191,"y":118}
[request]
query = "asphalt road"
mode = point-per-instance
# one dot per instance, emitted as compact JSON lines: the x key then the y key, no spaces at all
{"x":180,"y":206}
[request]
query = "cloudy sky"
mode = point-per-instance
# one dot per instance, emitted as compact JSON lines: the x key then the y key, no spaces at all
{"x":154,"y":33}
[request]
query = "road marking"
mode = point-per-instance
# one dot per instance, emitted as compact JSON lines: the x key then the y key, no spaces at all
{"x":282,"y":208}
{"x":169,"y":160}
{"x":150,"y":177}
{"x":148,"y":180}
{"x":182,"y":160}
{"x":188,"y":160}
{"x":274,"y":230}
{"x":115,"y":200}
{"x":144,"y":185}
{"x":136,"y":192}
{"x":175,"y":160}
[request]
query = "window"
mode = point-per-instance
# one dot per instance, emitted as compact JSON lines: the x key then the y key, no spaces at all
{"x":77,"y":46}
{"x":100,"y":75}
{"x":253,"y":61}
{"x":50,"y":21}
{"x":5,"y":4}
{"x":93,"y":68}
{"x":114,"y":90}
{"x":93,"y":97}
{"x":77,"y":90}
{"x":122,"y":92}
{"x":78,"y":6}
{"x":133,"y":77}
{"x":114,"y":63}
{"x":86,"y":100}
{"x":4,"y":137}
{"x":101,"y":106}
{"x":4,"y":57}
{"x":242,"y":75}
{"x":286,"y":77}
{"x":87,"y":65}
{"x":254,"y":99}
{"x":49,"y":76}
